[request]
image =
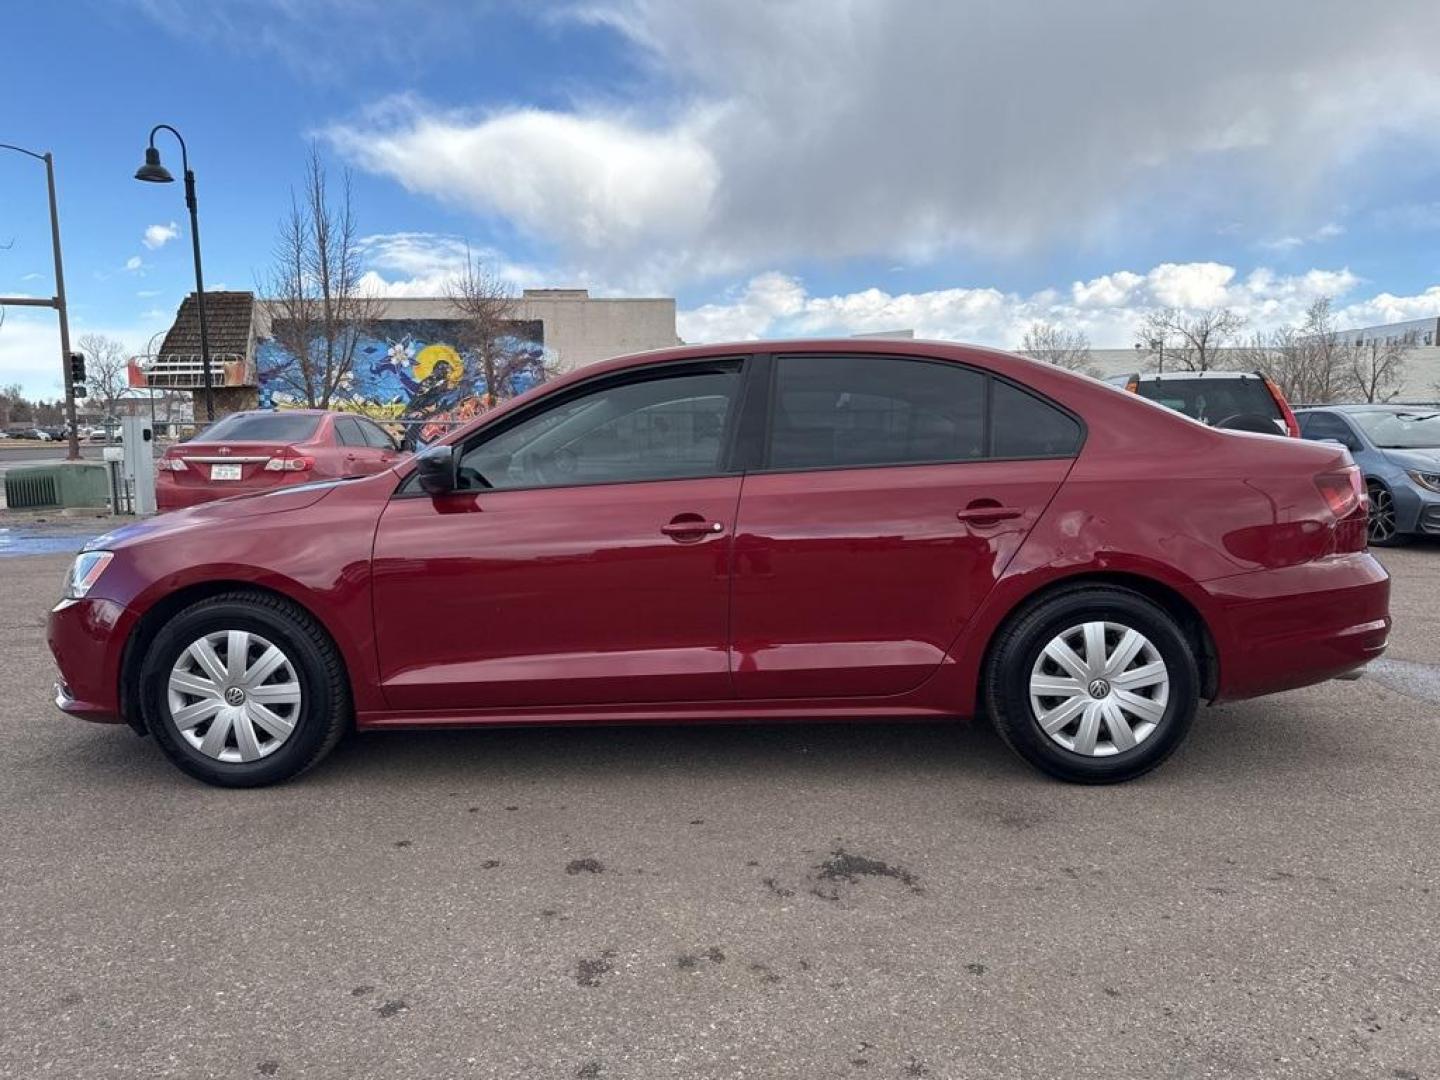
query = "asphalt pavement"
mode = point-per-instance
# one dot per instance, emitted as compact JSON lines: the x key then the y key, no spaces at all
{"x":866,"y":900}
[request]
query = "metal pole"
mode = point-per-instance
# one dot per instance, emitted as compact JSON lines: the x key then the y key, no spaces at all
{"x":74,"y":454}
{"x":199,"y":291}
{"x":58,"y":301}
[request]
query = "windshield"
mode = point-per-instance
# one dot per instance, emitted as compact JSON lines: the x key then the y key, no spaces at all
{"x":1211,"y":400}
{"x":1401,"y":430}
{"x":262,"y":427}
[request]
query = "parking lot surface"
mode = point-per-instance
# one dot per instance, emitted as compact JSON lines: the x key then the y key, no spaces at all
{"x":806,"y":901}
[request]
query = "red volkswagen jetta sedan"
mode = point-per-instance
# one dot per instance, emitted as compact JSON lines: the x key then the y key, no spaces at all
{"x":828,"y":530}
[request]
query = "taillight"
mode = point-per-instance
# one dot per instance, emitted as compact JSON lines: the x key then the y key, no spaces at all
{"x":289,"y":463}
{"x":1344,"y":492}
{"x":1343,"y":489}
{"x":171,"y":464}
{"x":1286,"y":413}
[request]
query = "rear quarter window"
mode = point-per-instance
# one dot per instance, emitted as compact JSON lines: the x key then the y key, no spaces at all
{"x":1023,"y":425}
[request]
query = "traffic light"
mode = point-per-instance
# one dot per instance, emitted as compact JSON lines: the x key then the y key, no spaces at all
{"x":77,"y":368}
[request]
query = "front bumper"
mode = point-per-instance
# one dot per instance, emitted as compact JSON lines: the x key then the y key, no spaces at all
{"x":1416,"y":509}
{"x":87,"y":637}
{"x":1297,"y":625}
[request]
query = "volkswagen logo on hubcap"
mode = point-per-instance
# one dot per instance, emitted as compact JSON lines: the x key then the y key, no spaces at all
{"x":234,"y":696}
{"x":1099,"y":688}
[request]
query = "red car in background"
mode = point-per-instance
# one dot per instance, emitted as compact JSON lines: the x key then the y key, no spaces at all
{"x":247,"y":453}
{"x":822,"y":530}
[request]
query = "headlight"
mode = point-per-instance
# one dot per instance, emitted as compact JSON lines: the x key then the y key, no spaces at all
{"x":88,"y":567}
{"x":1427,"y":480}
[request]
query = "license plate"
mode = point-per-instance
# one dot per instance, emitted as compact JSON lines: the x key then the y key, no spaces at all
{"x":224,"y":472}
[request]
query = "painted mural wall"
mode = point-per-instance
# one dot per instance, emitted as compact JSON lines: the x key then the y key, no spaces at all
{"x":414,"y":370}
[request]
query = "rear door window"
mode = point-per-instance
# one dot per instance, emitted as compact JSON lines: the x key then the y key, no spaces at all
{"x":347,"y":431}
{"x":375,"y":436}
{"x":855,"y":411}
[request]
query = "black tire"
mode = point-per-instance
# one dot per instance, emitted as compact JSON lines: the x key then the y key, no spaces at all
{"x":321,"y":718}
{"x":1019,"y":646}
{"x":1380,"y":531}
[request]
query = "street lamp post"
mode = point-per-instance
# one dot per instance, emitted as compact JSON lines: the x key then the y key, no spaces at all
{"x":155,"y":173}
{"x":1157,"y":348}
{"x":58,"y":301}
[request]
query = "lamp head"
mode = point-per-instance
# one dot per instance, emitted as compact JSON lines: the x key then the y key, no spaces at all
{"x":152,"y":171}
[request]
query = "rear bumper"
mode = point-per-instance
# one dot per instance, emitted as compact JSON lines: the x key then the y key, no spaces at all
{"x":173,"y":495}
{"x":1297,"y":625}
{"x":86,"y":638}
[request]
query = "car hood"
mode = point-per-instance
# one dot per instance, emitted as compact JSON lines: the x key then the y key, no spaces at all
{"x":1421,"y":460}
{"x":240,"y":506}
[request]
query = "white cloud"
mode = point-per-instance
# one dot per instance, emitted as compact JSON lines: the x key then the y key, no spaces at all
{"x":1108,"y":308}
{"x":134,"y":264}
{"x":30,"y":345}
{"x":608,"y":186}
{"x":907,"y":129}
{"x":157,"y":236}
{"x":1328,"y":231}
{"x":410,"y":264}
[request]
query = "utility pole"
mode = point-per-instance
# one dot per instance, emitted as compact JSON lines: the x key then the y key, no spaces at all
{"x":58,"y":300}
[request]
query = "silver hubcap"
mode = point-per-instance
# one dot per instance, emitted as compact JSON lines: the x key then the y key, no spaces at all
{"x":1099,"y":688}
{"x":234,"y":696}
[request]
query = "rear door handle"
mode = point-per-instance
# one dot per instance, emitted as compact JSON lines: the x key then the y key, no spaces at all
{"x":983,"y":515}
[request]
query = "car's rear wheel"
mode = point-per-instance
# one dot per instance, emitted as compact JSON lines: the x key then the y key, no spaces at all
{"x":1382,"y":530}
{"x":244,"y":689}
{"x":1095,"y":684}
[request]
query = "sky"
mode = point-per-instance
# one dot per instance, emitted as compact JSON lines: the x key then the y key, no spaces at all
{"x":781,"y":167}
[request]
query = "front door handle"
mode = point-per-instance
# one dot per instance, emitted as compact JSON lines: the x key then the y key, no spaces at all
{"x":985,"y":515}
{"x":691,"y":527}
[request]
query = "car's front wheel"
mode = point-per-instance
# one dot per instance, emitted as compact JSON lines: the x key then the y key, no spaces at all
{"x":244,"y":689}
{"x":1382,"y":530}
{"x":1095,"y":685}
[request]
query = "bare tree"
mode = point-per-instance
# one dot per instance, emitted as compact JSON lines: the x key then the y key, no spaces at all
{"x":489,"y":308}
{"x":318,"y":310}
{"x":1323,"y":360}
{"x":106,"y":369}
{"x":1190,"y":340}
{"x":1050,"y":344}
{"x":1310,"y":362}
{"x":1375,"y":369}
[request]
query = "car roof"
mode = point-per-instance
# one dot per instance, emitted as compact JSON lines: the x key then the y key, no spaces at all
{"x":1369,"y":406}
{"x":1175,"y":376}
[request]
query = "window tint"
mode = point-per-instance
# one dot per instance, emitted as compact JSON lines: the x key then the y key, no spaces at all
{"x":261,"y":427}
{"x":1024,"y":426}
{"x":375,"y":436}
{"x":347,"y":430}
{"x":666,"y":427}
{"x":1326,"y":425}
{"x":1211,"y":400}
{"x":847,"y":411}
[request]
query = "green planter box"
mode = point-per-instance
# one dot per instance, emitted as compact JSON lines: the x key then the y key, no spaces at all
{"x":40,"y":487}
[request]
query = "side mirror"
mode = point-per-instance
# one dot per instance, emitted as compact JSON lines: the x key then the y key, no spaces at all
{"x":436,"y":470}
